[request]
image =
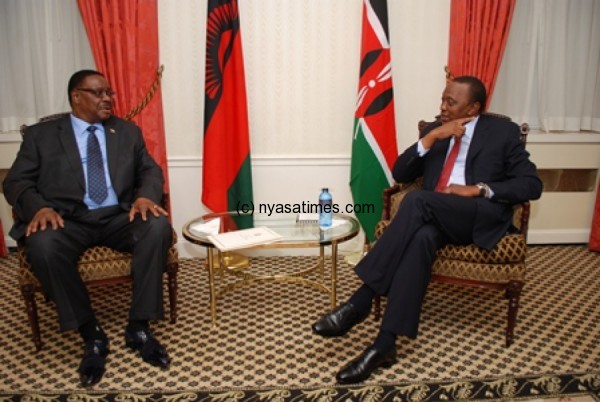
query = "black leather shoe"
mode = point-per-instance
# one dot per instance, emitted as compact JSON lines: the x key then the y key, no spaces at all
{"x":361,"y":368}
{"x":151,"y":351}
{"x":339,"y":321}
{"x":91,"y":368}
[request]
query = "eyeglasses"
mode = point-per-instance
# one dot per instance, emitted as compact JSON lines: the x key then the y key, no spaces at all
{"x":99,"y":93}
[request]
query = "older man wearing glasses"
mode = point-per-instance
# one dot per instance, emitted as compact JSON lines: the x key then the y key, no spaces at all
{"x":86,"y":180}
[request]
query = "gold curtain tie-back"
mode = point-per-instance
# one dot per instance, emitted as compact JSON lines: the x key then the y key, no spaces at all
{"x":148,"y":96}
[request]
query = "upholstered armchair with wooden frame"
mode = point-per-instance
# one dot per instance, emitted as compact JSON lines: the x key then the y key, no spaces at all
{"x":502,"y":268}
{"x":98,"y":266}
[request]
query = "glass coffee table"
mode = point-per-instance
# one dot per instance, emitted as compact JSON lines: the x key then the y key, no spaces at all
{"x":294,"y":234}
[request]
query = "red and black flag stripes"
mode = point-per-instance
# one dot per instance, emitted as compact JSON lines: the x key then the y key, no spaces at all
{"x":226,"y":173}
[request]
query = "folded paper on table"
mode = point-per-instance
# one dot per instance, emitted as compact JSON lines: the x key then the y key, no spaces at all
{"x":244,"y":238}
{"x":210,"y":227}
{"x":306,"y":218}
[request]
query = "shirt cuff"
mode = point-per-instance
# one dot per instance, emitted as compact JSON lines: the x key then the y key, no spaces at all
{"x":421,"y":149}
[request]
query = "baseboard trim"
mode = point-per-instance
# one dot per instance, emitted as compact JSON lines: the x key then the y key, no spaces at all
{"x":270,"y":160}
{"x":554,"y":236}
{"x":9,"y":241}
{"x":558,"y":236}
{"x":539,"y":236}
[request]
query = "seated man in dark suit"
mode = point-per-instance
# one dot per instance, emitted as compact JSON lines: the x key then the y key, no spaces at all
{"x":474,"y":169}
{"x":86,"y":180}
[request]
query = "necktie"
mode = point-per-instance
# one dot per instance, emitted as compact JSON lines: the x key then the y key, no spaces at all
{"x":447,"y":170}
{"x":95,"y":168}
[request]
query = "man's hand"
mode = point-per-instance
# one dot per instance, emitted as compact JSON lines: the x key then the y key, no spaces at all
{"x":454,"y":128}
{"x":461,"y":190}
{"x":42,"y":218}
{"x":143,"y":206}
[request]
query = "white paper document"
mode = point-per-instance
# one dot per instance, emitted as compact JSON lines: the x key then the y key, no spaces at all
{"x":210,"y":227}
{"x":244,"y":238}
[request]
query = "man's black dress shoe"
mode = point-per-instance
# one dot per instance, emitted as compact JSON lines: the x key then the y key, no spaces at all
{"x":91,"y":367}
{"x":151,"y":351}
{"x":361,"y":368}
{"x":339,"y":321}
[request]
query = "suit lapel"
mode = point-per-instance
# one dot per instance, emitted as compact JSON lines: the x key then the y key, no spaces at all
{"x":69,"y":143}
{"x":480,"y":138}
{"x":112,"y":147}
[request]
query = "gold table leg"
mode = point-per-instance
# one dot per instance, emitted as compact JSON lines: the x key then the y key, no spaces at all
{"x":218,"y":266}
{"x":211,"y":282}
{"x":321,"y":263}
{"x":231,"y":261}
{"x":333,"y":274}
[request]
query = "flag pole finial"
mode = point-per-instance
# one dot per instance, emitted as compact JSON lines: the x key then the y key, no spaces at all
{"x":449,"y":76}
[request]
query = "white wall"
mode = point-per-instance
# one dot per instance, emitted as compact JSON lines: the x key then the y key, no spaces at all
{"x":302,"y":66}
{"x":302,"y":61}
{"x":566,"y":216}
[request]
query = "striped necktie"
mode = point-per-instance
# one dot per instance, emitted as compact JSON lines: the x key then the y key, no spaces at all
{"x":95,"y":168}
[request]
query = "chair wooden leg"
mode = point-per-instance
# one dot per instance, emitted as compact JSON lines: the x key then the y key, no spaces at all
{"x":172,"y":283}
{"x":513,"y":293}
{"x":30,"y":305}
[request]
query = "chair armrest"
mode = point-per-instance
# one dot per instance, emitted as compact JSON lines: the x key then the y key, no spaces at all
{"x":381,"y":227}
{"x":521,"y":218}
{"x":387,"y":201}
{"x":393,"y":196}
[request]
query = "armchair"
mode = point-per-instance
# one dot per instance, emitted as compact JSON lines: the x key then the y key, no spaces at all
{"x":98,"y":266}
{"x":502,"y":268}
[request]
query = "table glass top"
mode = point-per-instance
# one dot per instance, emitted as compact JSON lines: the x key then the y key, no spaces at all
{"x":294,"y":232}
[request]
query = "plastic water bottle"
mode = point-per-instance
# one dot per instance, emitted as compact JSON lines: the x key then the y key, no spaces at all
{"x":326,"y":212}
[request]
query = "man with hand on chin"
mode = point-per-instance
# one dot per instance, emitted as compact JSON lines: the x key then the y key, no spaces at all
{"x":86,"y":180}
{"x":474,"y":169}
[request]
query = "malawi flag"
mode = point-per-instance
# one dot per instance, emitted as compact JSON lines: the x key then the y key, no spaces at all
{"x":226,"y":173}
{"x":374,"y":147}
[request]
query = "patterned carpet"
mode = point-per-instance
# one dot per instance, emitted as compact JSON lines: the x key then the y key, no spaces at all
{"x":263,"y":349}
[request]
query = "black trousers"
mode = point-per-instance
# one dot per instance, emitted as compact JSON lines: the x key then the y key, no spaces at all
{"x":399,"y":265}
{"x":53,"y":255}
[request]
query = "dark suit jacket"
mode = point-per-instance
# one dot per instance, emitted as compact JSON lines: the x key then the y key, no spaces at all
{"x":496,"y":157}
{"x":47,"y":171}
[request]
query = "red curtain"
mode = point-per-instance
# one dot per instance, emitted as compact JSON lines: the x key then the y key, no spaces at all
{"x":595,"y":234}
{"x":124,"y":40}
{"x":478,"y":34}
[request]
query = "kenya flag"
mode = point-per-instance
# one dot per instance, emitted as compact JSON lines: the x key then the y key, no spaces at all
{"x":226,"y":173}
{"x":374,"y":147}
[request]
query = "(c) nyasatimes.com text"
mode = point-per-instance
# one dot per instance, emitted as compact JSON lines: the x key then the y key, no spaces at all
{"x":303,"y":208}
